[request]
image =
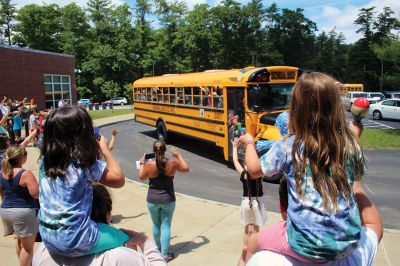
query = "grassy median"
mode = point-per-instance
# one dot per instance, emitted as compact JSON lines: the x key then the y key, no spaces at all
{"x":96,"y":114}
{"x":373,"y":138}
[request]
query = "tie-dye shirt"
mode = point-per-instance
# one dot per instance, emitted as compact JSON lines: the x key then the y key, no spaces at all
{"x":313,"y":232}
{"x":65,"y":207}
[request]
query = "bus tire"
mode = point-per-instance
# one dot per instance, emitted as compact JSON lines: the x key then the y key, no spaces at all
{"x":161,"y":129}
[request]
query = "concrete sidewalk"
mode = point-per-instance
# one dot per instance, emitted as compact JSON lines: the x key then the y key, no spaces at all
{"x":203,"y":232}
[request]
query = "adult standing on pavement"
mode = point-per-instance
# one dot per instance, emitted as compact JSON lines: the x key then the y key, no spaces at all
{"x":19,"y":191}
{"x":161,"y":194}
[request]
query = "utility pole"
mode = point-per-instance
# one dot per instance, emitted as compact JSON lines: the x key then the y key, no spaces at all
{"x":153,"y":66}
{"x":380,"y":85}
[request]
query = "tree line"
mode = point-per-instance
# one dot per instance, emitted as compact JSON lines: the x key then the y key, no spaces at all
{"x":115,"y":45}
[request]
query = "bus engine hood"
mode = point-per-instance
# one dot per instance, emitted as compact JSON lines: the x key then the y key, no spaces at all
{"x":267,"y":128}
{"x":269,"y":119}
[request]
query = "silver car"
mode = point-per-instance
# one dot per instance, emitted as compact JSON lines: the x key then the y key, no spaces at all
{"x":118,"y":101}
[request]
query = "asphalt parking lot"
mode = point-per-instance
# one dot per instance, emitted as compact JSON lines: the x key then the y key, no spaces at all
{"x":369,"y":122}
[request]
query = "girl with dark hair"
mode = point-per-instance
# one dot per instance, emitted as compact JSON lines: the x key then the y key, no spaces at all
{"x":322,"y":158}
{"x":252,"y":210}
{"x":161,"y":195}
{"x":69,"y":165}
{"x":19,"y":191}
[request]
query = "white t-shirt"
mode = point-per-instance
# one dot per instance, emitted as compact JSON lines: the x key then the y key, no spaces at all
{"x":61,"y":103}
{"x":32,"y":118}
{"x":364,"y":255}
{"x":4,"y":109}
{"x":150,"y":256}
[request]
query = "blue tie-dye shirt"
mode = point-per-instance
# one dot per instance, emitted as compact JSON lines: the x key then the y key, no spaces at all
{"x":313,"y":232}
{"x":65,"y":207}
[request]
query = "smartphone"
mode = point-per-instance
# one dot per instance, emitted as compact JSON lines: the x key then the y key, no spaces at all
{"x":97,"y":133}
{"x":149,"y":156}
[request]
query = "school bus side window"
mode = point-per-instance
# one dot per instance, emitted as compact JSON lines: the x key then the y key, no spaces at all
{"x":196,"y":96}
{"x":188,"y":96}
{"x":206,"y":96}
{"x":165,"y":95}
{"x":172,"y":95}
{"x":154,"y":94}
{"x":148,"y":95}
{"x":218,"y":98}
{"x":179,"y":92}
{"x":143,"y":94}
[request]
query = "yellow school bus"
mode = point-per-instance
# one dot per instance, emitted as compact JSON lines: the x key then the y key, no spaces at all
{"x":345,"y":88}
{"x":198,"y":104}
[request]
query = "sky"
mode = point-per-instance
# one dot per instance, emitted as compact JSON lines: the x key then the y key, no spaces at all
{"x":327,"y":14}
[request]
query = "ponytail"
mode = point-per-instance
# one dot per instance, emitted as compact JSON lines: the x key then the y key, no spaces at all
{"x":13,"y":155}
{"x":6,"y":167}
{"x":159,"y":149}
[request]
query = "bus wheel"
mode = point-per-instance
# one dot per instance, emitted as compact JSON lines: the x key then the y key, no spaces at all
{"x":162,"y":132}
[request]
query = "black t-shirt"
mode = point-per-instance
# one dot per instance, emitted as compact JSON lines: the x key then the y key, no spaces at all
{"x":255,"y":185}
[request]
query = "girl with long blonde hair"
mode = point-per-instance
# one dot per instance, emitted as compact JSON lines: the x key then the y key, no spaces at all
{"x":321,"y":158}
{"x":19,"y":191}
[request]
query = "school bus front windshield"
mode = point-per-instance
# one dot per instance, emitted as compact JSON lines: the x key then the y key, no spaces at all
{"x":268,"y":97}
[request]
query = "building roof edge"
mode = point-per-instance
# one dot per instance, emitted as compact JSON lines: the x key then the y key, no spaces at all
{"x":35,"y":51}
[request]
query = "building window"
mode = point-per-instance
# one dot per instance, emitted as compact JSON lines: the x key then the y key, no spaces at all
{"x":57,"y":87}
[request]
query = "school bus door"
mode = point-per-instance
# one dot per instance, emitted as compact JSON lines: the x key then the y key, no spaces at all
{"x":235,"y":97}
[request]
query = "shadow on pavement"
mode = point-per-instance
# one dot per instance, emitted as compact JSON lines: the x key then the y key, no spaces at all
{"x":118,"y":218}
{"x":188,"y":246}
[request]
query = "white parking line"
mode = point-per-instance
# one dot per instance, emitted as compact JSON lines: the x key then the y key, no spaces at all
{"x":374,"y":124}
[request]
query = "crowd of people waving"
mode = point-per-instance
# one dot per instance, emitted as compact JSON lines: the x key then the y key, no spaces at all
{"x":327,"y":217}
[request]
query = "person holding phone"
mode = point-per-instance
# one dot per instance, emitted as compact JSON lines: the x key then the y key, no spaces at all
{"x":161,"y":194}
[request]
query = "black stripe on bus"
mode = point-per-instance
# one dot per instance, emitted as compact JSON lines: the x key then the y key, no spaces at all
{"x":197,"y":129}
{"x":188,"y":127}
{"x":184,"y":116}
{"x":146,"y":117}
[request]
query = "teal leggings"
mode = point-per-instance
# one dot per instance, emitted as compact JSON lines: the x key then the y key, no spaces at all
{"x":161,"y":215}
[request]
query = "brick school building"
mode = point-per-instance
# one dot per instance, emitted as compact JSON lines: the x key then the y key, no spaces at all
{"x":44,"y":76}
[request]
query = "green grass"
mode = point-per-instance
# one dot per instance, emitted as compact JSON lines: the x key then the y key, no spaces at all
{"x":381,"y":138}
{"x":96,"y":114}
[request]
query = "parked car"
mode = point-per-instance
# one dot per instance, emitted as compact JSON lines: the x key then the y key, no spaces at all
{"x":374,"y":97}
{"x":118,"y":100}
{"x":392,"y":95}
{"x":84,"y":101}
{"x":386,"y":109}
{"x":349,"y":98}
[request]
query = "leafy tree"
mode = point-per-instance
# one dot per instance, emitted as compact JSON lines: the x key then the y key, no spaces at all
{"x":385,"y":24}
{"x":39,"y":27}
{"x":389,"y":52}
{"x":7,"y":15}
{"x":170,"y":37}
{"x":296,"y":42}
{"x":331,"y":54}
{"x":227,"y":20}
{"x":143,"y":35}
{"x":74,"y":32}
{"x":199,"y":39}
{"x":366,"y":22}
